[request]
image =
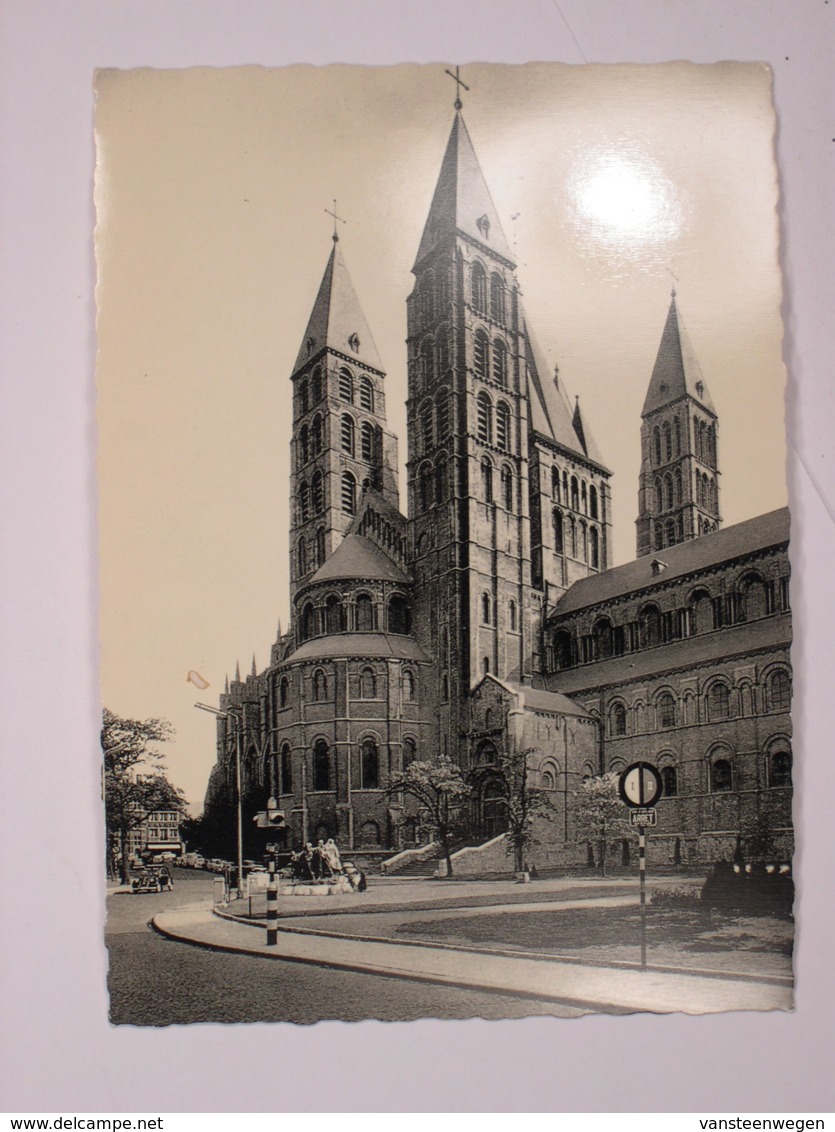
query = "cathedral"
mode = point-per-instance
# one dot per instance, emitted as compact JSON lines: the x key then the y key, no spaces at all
{"x":482,"y":614}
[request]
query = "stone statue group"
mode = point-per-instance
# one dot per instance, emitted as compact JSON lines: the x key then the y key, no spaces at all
{"x":322,"y":862}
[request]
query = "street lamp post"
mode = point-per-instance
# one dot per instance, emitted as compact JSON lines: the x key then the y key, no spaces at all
{"x":238,"y":740}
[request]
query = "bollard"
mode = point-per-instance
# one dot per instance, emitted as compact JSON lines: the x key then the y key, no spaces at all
{"x":272,"y":906}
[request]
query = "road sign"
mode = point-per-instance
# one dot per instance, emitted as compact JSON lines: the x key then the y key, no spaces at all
{"x":643,"y":816}
{"x":640,"y":785}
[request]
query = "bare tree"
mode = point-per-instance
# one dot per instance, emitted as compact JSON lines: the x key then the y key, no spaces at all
{"x":439,"y":789}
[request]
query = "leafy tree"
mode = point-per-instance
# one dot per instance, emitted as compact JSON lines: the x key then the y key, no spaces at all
{"x":439,"y":789}
{"x":134,"y":781}
{"x":524,"y":800}
{"x":601,"y":815}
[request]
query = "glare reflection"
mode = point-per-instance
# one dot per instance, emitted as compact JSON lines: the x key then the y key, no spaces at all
{"x":625,"y":200}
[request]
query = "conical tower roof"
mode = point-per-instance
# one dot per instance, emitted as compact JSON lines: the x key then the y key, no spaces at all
{"x":337,"y":321}
{"x":462,"y":201}
{"x":677,"y":372}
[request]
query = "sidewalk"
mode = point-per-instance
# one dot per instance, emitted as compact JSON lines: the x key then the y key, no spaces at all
{"x":599,"y":989}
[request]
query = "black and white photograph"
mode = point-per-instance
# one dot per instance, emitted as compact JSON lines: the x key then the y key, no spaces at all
{"x":445,"y":592}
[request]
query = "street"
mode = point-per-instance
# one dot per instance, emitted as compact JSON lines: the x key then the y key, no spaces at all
{"x":157,"y":982}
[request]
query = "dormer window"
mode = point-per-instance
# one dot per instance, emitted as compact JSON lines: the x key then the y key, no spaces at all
{"x":700,"y":389}
{"x":658,"y":567}
{"x":483,"y":225}
{"x":354,"y":342}
{"x":309,"y":345}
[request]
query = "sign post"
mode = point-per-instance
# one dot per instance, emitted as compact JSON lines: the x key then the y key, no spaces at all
{"x":271,"y":818}
{"x":640,"y":788}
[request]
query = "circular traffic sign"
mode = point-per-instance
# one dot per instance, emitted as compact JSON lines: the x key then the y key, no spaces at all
{"x":640,"y":785}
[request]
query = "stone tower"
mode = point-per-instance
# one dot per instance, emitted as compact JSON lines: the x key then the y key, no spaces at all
{"x":340,"y":443}
{"x":678,"y":496}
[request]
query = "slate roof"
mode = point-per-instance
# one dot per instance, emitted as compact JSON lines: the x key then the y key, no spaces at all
{"x":387,"y":645}
{"x":687,"y":558}
{"x":540,"y":699}
{"x":677,"y":370}
{"x":336,"y":317}
{"x":735,"y":640}
{"x":461,"y":198}
{"x":551,"y":414}
{"x":359,"y":557}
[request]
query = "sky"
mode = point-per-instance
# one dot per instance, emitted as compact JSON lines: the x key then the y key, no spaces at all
{"x":611,"y":182}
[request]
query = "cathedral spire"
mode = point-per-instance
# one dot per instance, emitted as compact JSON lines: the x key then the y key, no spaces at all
{"x":462,"y":201}
{"x":677,"y":372}
{"x":237,"y":672}
{"x":337,"y":321}
{"x":254,"y":668}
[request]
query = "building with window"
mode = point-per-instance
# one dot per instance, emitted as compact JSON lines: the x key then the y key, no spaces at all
{"x":486,"y":615}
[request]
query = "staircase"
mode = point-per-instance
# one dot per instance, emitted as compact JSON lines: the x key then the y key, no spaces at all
{"x":419,"y":862}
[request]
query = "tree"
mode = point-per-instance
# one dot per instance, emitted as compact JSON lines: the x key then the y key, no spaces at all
{"x":524,"y":800}
{"x":134,"y":781}
{"x":439,"y":788}
{"x":601,"y":813}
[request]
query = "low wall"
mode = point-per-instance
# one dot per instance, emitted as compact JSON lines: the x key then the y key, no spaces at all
{"x":479,"y":860}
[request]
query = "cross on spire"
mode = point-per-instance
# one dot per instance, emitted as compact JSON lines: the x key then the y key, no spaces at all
{"x":335,"y":218}
{"x":459,"y":82}
{"x":675,"y":277}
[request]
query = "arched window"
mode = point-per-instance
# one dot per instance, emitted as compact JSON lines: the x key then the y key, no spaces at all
{"x":441,"y":487}
{"x":484,"y":418}
{"x":487,"y":480}
{"x":719,"y":702}
{"x":316,"y":435}
{"x":656,"y":444}
{"x":426,"y":425}
{"x":320,"y":686}
{"x":442,"y":352}
{"x":659,"y":495}
{"x":780,"y":768}
{"x":593,"y":502}
{"x":316,"y":386}
{"x":617,"y":719}
{"x":507,"y":488}
{"x":481,"y":352}
{"x":304,"y":445}
{"x":497,"y":291}
{"x":649,"y":620}
{"x":425,"y":486}
{"x":367,"y":442}
{"x":556,"y":519}
{"x":301,"y":557}
{"x":485,"y":609}
{"x":572,"y":536}
{"x":500,"y":363}
{"x":321,"y":766}
{"x":594,"y":542}
{"x":317,"y":492}
{"x":555,"y":484}
{"x":602,"y":639}
{"x":286,"y":760}
{"x":563,"y":650}
{"x":668,"y":441}
{"x":677,"y":491}
{"x":670,"y":532}
{"x":584,"y":498}
{"x":779,"y":692}
{"x":368,"y":684}
{"x":365,"y":614}
{"x":320,"y":546}
{"x":408,"y":686}
{"x":409,"y":752}
{"x":502,"y":426}
{"x":346,"y":386}
{"x":348,"y":434}
{"x":677,"y":426}
{"x":669,"y":781}
{"x":666,"y":708}
{"x":548,"y":777}
{"x":304,"y":502}
{"x":308,"y":622}
{"x":443,"y":413}
{"x":349,"y":494}
{"x":486,"y":753}
{"x":399,"y":618}
{"x":584,"y":542}
{"x":366,"y":395}
{"x":511,"y":615}
{"x":304,"y":401}
{"x":478,"y":287}
{"x":370,"y":765}
{"x":334,"y":616}
{"x":427,"y":359}
{"x":283,"y":692}
{"x":721,"y":776}
{"x":575,"y":494}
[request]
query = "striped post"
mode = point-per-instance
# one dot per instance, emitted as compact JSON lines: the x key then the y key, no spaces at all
{"x":642,"y":873}
{"x":272,"y":905}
